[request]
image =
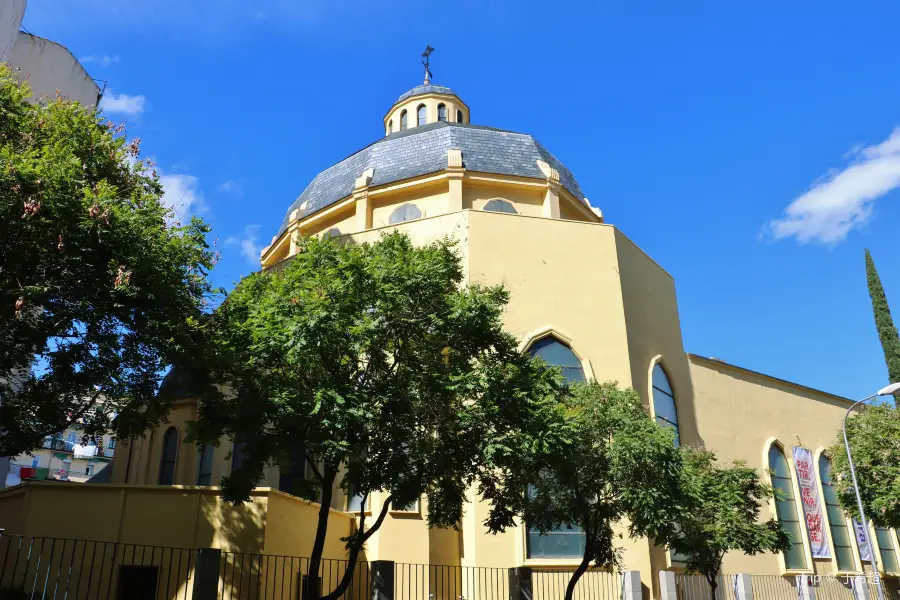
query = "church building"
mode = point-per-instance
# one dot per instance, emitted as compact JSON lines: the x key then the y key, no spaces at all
{"x":584,"y":297}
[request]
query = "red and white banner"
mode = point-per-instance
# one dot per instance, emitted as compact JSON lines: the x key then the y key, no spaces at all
{"x":812,"y":506}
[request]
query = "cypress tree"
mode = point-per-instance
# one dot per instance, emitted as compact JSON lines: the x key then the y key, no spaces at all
{"x":887,"y":333}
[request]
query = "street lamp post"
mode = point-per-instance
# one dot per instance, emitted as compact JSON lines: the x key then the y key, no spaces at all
{"x":894,"y":387}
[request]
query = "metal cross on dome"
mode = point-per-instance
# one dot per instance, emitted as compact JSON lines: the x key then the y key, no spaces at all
{"x":427,"y":56}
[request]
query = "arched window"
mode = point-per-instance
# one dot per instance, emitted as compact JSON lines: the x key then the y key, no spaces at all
{"x":786,"y":507}
{"x":459,"y":116}
{"x":664,"y":401}
{"x":557,"y":354}
{"x":237,"y":454}
{"x":442,"y":112}
{"x":837,"y":522}
{"x":390,"y":127}
{"x":420,"y":114}
{"x":205,"y":460}
{"x":406,"y":212}
{"x":169,"y":457}
{"x":500,"y":205}
{"x":293,"y":472}
{"x":402,"y":120}
{"x":886,"y":550}
{"x":333,"y":233}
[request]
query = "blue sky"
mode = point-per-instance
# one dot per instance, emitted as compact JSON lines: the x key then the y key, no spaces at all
{"x":749,"y":148}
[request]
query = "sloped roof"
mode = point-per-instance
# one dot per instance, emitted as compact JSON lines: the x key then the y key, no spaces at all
{"x":425,"y":89}
{"x":423,"y":150}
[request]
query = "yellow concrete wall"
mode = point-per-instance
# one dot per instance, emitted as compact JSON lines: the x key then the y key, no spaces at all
{"x":431,"y":201}
{"x":563,"y":276}
{"x":654,"y":330}
{"x":738,"y":412}
{"x":291,"y":527}
{"x":527,"y":202}
{"x":560,"y":274}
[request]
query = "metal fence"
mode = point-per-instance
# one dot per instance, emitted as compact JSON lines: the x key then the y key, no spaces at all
{"x":244,"y":576}
{"x":449,"y":582}
{"x":696,"y":587}
{"x":778,"y":587}
{"x":595,"y":584}
{"x":39,"y":567}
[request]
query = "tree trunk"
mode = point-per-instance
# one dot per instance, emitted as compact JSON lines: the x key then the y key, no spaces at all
{"x":585,"y":561}
{"x":713,"y":584}
{"x":315,"y":558}
{"x":355,"y":548}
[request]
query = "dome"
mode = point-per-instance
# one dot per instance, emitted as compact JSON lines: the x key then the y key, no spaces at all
{"x":420,"y":90}
{"x":423,"y":150}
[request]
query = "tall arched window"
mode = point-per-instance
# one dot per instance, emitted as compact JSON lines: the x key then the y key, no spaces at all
{"x":293,"y":471}
{"x":786,"y":507}
{"x":237,"y":454}
{"x":205,"y":461}
{"x":442,"y":112}
{"x":557,"y":354}
{"x":887,"y":551}
{"x":406,"y":212}
{"x":168,"y":457}
{"x":664,"y":401}
{"x":420,"y":115}
{"x":837,"y":522}
{"x":402,"y":120}
{"x":459,"y":116}
{"x":500,"y":205}
{"x":390,"y":127}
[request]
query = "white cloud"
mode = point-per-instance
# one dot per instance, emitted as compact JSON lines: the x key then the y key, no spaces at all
{"x":122,"y":103}
{"x":182,"y":194}
{"x":248,"y":243}
{"x":842,"y":200}
{"x":104,"y":60}
{"x":232,"y":186}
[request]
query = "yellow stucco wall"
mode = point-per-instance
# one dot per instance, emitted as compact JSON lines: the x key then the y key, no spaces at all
{"x":431,"y":201}
{"x":526,"y":202}
{"x":739,"y":413}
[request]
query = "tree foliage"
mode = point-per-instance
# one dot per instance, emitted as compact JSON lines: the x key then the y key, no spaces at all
{"x":374,"y":366}
{"x":99,"y":290}
{"x":874,"y":436}
{"x":724,"y":515}
{"x":887,"y":332}
{"x":615,"y":464}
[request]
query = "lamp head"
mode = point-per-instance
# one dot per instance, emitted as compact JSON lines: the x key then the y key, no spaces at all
{"x":889,"y":390}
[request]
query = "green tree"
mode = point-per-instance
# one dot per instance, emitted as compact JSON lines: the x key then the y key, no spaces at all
{"x":616,"y":463}
{"x":887,"y":333}
{"x":874,"y":436}
{"x":99,"y":290}
{"x":723,"y":516}
{"x":374,"y":366}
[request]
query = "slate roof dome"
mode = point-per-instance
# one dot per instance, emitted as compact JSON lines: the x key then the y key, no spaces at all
{"x":423,"y":150}
{"x":421,"y":90}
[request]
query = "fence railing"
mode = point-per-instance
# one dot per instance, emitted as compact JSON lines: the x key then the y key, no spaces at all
{"x":449,"y":582}
{"x":595,"y":584}
{"x":257,"y":576}
{"x":778,"y":587}
{"x":39,"y":567}
{"x":696,"y":587}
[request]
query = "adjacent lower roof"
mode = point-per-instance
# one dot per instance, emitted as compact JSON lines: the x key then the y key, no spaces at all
{"x":423,"y":150}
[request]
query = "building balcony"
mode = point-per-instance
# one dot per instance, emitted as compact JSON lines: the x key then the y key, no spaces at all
{"x":59,"y":445}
